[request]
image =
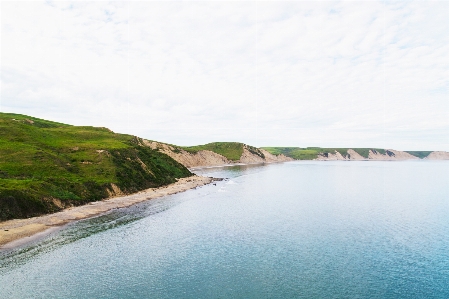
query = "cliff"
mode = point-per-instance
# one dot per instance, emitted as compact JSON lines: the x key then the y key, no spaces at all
{"x":438,"y":156}
{"x":357,"y":154}
{"x":228,"y":154}
{"x":389,"y":155}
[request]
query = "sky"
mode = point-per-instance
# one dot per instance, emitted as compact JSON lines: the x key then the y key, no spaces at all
{"x":304,"y":73}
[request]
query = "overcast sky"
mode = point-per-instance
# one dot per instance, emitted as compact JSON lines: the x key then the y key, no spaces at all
{"x":330,"y":74}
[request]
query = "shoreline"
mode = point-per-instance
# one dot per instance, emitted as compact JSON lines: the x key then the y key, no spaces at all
{"x":223,"y":165}
{"x":17,"y":232}
{"x":237,"y":164}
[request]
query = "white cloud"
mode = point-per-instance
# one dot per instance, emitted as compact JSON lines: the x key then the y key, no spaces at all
{"x":265,"y":73}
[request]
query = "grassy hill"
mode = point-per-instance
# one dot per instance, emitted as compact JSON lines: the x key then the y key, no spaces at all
{"x":310,"y":153}
{"x":46,"y":166}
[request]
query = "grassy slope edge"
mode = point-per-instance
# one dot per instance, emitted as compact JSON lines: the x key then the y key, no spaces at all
{"x":46,"y":166}
{"x":231,"y":150}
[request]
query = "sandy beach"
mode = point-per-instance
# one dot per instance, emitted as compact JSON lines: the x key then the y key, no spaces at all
{"x":17,"y":231}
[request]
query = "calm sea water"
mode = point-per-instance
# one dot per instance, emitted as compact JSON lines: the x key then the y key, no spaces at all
{"x":292,"y":230}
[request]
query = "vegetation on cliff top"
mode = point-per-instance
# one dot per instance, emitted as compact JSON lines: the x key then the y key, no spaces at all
{"x":293,"y":152}
{"x":46,"y":166}
{"x":231,"y":150}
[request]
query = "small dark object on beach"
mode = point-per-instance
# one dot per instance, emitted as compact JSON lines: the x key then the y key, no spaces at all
{"x":6,"y":230}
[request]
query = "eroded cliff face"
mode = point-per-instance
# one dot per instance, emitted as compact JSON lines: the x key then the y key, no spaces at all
{"x":390,"y":155}
{"x":269,"y":157}
{"x":257,"y":155}
{"x":438,"y":156}
{"x":204,"y":158}
{"x":189,"y":160}
{"x":353,"y":155}
{"x":331,"y":156}
{"x":249,"y":157}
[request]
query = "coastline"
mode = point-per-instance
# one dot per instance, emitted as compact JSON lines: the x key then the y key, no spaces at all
{"x":16,"y":232}
{"x":227,"y":165}
{"x":193,"y":168}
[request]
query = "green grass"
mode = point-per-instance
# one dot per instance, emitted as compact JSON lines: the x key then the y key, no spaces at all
{"x":42,"y":160}
{"x":231,"y":150}
{"x":293,"y":152}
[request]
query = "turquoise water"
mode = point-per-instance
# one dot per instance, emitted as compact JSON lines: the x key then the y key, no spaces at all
{"x":292,"y":230}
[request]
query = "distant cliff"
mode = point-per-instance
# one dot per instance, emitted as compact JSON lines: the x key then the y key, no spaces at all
{"x":217,"y":154}
{"x":387,"y":155}
{"x":438,"y":156}
{"x":357,"y":154}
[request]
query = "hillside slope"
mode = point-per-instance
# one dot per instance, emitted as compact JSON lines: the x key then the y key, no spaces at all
{"x":216,"y":154}
{"x":47,"y":166}
{"x":329,"y":154}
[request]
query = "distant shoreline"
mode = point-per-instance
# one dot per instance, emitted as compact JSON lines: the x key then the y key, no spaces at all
{"x":234,"y":164}
{"x":17,"y":232}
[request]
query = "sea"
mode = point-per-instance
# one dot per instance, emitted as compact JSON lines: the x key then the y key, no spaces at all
{"x":303,"y":229}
